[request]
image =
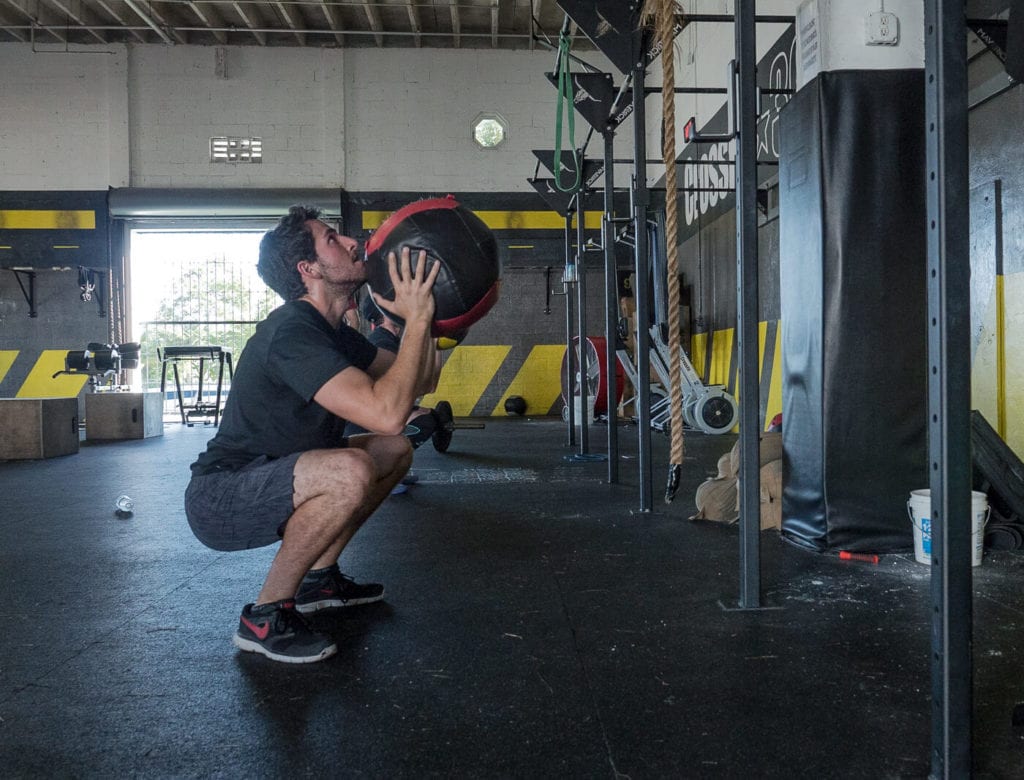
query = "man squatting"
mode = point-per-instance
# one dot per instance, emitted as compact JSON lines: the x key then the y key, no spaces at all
{"x":279,"y":468}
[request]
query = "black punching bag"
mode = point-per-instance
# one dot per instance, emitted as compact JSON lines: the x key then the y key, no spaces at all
{"x":853,"y":259}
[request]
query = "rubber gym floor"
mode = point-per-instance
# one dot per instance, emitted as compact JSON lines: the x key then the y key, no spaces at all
{"x":535,"y":625}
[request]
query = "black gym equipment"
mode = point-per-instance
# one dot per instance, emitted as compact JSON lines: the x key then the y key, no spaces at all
{"x":854,"y":448}
{"x":1015,"y":41}
{"x":441,"y":438}
{"x":101,"y":362}
{"x":948,"y":312}
{"x":1004,"y":38}
{"x":515,"y":405}
{"x":470,"y":277}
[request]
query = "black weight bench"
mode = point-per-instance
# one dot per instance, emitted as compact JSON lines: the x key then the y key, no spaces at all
{"x":172,"y":356}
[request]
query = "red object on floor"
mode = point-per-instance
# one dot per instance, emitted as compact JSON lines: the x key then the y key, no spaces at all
{"x":846,"y":555}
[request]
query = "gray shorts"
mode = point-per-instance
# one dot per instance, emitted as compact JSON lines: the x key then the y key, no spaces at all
{"x":239,"y":510}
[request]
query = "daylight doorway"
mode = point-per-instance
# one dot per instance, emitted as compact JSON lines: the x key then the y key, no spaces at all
{"x":193,"y":288}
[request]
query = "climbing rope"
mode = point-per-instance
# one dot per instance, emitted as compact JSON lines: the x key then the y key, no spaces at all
{"x":566,"y":101}
{"x":665,"y":24}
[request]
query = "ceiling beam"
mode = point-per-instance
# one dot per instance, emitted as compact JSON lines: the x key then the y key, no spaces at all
{"x":208,"y":15}
{"x":14,"y":33}
{"x":78,"y":18}
{"x":299,"y":36}
{"x":252,"y":23}
{"x":456,"y":22}
{"x":4,"y":22}
{"x":332,"y":22}
{"x":151,"y":16}
{"x":36,"y":21}
{"x":414,"y":23}
{"x":536,"y":6}
{"x":374,"y":19}
{"x":494,"y":24}
{"x":116,"y":14}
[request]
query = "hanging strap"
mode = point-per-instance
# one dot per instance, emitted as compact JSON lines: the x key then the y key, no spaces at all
{"x":565,"y":93}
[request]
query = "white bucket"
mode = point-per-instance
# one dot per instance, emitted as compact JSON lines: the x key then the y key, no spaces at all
{"x":578,"y":410}
{"x":590,"y":410}
{"x":919,"y":507}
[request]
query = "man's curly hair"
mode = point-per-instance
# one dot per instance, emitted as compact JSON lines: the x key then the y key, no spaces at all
{"x":283,"y":248}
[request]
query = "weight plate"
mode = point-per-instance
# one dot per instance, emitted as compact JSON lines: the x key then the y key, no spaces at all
{"x":442,"y":437}
{"x":716,"y":413}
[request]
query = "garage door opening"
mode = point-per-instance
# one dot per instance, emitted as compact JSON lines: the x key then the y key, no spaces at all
{"x":192,"y":289}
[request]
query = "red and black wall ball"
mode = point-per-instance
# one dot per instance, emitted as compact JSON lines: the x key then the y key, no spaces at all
{"x":467,"y":284}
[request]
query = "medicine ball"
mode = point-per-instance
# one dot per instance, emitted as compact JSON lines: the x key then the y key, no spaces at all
{"x":470,"y":275}
{"x":515,"y":404}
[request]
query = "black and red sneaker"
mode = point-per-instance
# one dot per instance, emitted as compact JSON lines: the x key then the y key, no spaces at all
{"x":329,"y":589}
{"x":280,"y":633}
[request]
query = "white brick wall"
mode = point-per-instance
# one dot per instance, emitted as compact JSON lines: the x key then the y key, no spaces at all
{"x":363,"y":119}
{"x":64,"y":120}
{"x":291,"y":98}
{"x":410,"y":111}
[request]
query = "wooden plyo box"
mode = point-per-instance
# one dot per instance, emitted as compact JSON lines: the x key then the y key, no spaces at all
{"x":36,"y":428}
{"x":112,"y":416}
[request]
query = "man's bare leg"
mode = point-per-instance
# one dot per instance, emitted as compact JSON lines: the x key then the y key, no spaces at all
{"x":335,"y":492}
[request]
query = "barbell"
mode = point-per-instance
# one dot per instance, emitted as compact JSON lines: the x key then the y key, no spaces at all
{"x":446,"y":425}
{"x":437,"y":425}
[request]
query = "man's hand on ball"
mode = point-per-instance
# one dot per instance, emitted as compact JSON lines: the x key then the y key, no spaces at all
{"x":414,"y":295}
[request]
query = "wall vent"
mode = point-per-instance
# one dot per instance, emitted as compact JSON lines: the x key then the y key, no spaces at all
{"x":227,"y":149}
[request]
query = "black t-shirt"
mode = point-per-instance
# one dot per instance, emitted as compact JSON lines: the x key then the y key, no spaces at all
{"x":270,"y":409}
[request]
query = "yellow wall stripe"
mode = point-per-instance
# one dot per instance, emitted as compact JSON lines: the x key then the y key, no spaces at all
{"x":1013,"y":360}
{"x":1000,"y":357}
{"x":504,"y":220}
{"x":698,"y":348}
{"x":40,"y":382}
{"x":25,"y":219}
{"x":538,"y":381}
{"x":775,"y":384}
{"x":721,"y":367}
{"x":466,"y":374}
{"x":7,"y":357}
{"x":721,"y":355}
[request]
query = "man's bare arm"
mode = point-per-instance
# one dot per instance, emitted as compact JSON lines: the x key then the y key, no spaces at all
{"x":383,"y":404}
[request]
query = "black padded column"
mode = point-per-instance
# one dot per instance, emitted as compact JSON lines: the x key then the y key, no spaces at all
{"x":853,"y":295}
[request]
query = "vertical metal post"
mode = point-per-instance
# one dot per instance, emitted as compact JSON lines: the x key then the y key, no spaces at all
{"x":611,"y":305}
{"x":949,"y":455}
{"x":568,"y":282}
{"x":32,"y":294}
{"x":641,"y":198}
{"x":581,"y":318}
{"x":747,"y":306}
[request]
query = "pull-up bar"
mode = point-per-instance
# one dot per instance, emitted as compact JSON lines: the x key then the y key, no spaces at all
{"x":717,"y":90}
{"x":730,"y":18}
